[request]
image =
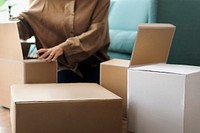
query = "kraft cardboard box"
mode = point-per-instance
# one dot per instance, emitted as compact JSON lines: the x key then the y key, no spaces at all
{"x":152,"y":46}
{"x":114,"y":78}
{"x":16,"y":68}
{"x":65,"y":108}
{"x":164,"y":98}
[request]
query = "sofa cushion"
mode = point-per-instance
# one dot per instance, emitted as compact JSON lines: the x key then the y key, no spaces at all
{"x":114,"y":55}
{"x":126,"y":14}
{"x":112,"y":2}
{"x":122,"y":41}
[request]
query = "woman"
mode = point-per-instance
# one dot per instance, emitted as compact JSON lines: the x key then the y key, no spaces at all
{"x":73,"y":32}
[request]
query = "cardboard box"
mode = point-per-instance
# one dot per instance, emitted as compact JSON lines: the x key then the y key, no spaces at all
{"x":152,"y":46}
{"x":113,"y":77}
{"x":15,"y":68}
{"x":65,"y":108}
{"x":164,"y":98}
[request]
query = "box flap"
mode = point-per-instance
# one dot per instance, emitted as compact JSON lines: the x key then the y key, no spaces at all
{"x":155,"y":25}
{"x":169,"y":68}
{"x":10,"y":41}
{"x":60,"y":92}
{"x":152,"y":44}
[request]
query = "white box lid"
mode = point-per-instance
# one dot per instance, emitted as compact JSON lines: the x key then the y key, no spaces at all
{"x":168,"y":68}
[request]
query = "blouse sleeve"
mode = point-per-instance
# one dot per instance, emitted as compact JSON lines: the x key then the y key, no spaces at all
{"x":25,"y":30}
{"x":79,"y":48}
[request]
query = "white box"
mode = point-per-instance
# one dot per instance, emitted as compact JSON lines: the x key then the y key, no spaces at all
{"x":164,"y":98}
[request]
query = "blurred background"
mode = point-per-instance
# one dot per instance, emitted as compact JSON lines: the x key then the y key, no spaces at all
{"x":12,"y":8}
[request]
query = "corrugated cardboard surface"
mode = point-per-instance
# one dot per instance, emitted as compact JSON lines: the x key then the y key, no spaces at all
{"x":113,"y":77}
{"x":63,"y":108}
{"x":19,"y":72}
{"x":14,"y":69}
{"x":152,"y":44}
{"x":39,"y":71}
{"x":51,"y":92}
{"x":10,"y":42}
{"x":11,"y":72}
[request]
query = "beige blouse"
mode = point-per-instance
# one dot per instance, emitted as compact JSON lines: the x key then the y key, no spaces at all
{"x":81,"y":26}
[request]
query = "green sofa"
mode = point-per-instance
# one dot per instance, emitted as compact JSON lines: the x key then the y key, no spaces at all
{"x":185,"y":15}
{"x":124,"y":16}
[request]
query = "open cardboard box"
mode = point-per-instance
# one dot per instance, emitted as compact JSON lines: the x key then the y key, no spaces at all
{"x":152,"y":45}
{"x":15,"y":68}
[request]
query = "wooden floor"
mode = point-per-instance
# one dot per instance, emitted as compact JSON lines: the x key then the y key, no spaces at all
{"x":5,"y":121}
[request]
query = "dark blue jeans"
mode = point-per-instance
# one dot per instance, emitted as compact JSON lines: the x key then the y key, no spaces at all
{"x":90,"y":74}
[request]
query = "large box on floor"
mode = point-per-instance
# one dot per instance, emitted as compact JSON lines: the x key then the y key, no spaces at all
{"x":164,"y":98}
{"x":15,"y":69}
{"x":65,"y":108}
{"x":152,"y":46}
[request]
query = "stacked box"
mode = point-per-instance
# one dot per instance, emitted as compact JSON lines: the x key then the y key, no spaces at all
{"x":15,"y":68}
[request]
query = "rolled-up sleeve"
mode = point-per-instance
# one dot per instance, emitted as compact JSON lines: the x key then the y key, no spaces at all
{"x":79,"y":48}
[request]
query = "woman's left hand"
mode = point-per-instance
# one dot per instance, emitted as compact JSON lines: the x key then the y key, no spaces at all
{"x":50,"y":54}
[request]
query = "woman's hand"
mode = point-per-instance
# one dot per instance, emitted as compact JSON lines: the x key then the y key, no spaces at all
{"x":50,"y":54}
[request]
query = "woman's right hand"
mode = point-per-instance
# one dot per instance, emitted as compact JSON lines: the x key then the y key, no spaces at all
{"x":50,"y":54}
